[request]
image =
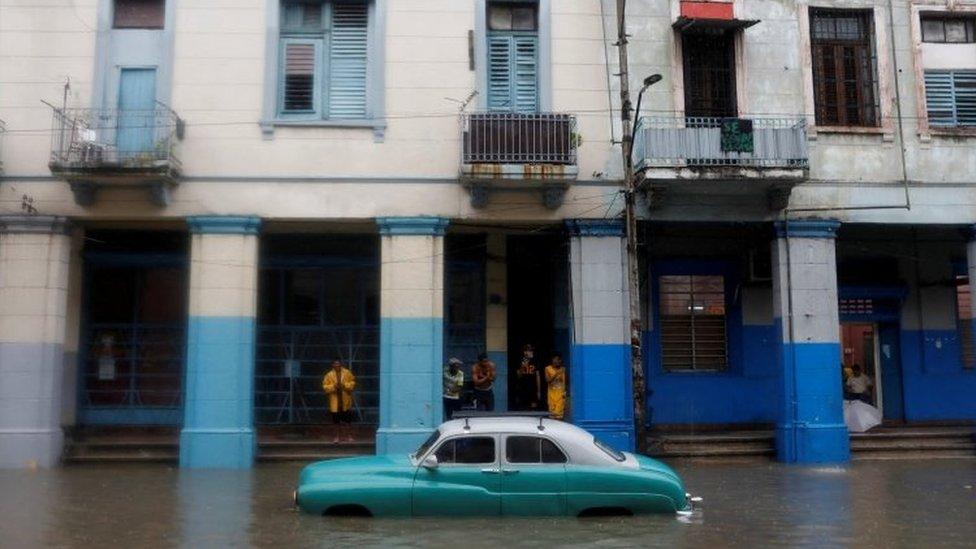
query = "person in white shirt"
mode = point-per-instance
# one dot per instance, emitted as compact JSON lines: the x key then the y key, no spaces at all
{"x":858,"y":386}
{"x":453,"y":384}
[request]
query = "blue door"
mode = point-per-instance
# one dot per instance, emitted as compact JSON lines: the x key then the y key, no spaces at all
{"x":891,"y":378}
{"x":137,"y":104}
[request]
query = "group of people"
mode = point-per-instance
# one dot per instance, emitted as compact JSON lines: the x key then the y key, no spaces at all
{"x":339,"y":384}
{"x":528,"y":384}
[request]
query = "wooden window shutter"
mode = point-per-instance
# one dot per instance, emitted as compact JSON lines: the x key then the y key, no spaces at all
{"x":500,"y":72}
{"x":299,"y":87}
{"x":526,"y":96}
{"x":348,"y":61}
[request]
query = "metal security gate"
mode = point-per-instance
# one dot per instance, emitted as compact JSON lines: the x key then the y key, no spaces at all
{"x":133,"y":337}
{"x":464,"y":315}
{"x":319,"y":302}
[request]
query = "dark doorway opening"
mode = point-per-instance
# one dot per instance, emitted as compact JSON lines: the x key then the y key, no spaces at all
{"x":538,"y":306}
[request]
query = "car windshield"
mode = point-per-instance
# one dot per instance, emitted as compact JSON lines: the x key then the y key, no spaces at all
{"x":619,"y":456}
{"x":426,"y":445}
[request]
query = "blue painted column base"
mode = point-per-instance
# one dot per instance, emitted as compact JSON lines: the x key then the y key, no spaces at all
{"x":812,"y":430}
{"x":400,"y":440}
{"x":23,"y":448}
{"x":601,"y":399}
{"x":217,"y":448}
{"x":821,"y":443}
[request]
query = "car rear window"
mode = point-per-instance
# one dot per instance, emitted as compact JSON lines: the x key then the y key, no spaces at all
{"x":619,"y":456}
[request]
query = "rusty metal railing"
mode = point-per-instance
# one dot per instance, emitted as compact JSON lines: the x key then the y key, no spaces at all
{"x":106,"y":138}
{"x":513,"y":138}
{"x":666,"y":142}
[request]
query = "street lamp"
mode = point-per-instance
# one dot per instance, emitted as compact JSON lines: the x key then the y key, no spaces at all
{"x":648,"y":82}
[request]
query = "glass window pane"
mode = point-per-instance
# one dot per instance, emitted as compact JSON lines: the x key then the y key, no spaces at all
{"x":933,"y":30}
{"x":523,"y":18}
{"x":551,"y":453}
{"x":523,"y":450}
{"x":955,"y":31}
{"x":474,"y":450}
{"x":139,"y":14}
{"x":499,"y":17}
{"x":445,"y":453}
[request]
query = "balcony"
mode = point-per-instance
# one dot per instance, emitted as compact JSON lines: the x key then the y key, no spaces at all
{"x":770,"y":151}
{"x":518,"y":152}
{"x":98,"y":148}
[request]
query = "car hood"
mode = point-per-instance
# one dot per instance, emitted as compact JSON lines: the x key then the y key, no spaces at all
{"x":354,"y":465}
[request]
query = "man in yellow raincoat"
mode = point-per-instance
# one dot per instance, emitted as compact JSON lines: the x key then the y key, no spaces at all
{"x":339,"y":384}
{"x":556,"y":378}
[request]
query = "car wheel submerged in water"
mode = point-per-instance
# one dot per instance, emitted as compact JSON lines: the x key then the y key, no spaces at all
{"x":495,"y":464}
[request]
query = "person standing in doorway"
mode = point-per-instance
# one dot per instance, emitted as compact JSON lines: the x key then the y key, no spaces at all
{"x":858,"y":386}
{"x":556,"y":378}
{"x":453,"y":383}
{"x":339,"y":383}
{"x":527,"y":378}
{"x":483,"y":379}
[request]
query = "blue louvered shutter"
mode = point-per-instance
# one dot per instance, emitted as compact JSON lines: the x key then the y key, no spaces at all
{"x":950,"y":97}
{"x":526,"y":95}
{"x":348,"y":60}
{"x":298,"y":87}
{"x":500,"y":53}
{"x":513,"y":73}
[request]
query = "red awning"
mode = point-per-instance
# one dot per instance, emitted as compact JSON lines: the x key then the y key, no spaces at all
{"x":706,"y":25}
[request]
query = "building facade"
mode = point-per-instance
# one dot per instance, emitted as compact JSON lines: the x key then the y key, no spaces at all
{"x":205,"y":203}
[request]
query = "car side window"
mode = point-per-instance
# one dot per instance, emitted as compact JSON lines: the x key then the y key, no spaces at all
{"x":467,"y":450}
{"x":523,"y":449}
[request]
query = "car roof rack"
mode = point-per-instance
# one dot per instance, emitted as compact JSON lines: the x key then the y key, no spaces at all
{"x":467,"y":415}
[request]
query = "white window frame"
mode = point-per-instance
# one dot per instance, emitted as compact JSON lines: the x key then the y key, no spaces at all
{"x":884,"y":77}
{"x":925,"y":130}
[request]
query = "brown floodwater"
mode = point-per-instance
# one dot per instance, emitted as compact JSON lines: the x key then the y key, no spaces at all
{"x":869,"y":504}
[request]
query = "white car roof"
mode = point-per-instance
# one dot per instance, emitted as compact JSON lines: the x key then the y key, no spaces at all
{"x":576,"y":442}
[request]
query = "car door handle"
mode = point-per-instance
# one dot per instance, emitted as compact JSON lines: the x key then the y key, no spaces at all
{"x":510,"y":471}
{"x":490,"y":471}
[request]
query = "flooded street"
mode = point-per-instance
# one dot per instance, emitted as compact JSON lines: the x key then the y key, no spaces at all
{"x":869,"y":504}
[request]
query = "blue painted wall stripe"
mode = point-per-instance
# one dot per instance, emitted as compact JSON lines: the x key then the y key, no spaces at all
{"x":601,"y":397}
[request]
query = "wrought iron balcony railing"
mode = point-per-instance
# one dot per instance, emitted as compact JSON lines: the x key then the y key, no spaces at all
{"x":514,"y":138}
{"x":113,"y":139}
{"x":700,"y":142}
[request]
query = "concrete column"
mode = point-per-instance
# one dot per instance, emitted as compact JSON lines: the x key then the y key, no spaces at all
{"x":411,"y":331}
{"x":496,"y":317}
{"x":218,"y":428}
{"x":599,"y":377}
{"x":34,"y":254}
{"x":810,"y":428}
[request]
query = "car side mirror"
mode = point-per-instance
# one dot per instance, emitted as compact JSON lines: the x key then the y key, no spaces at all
{"x":429,"y":462}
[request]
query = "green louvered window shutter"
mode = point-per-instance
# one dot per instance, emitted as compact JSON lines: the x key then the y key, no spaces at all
{"x":950,"y":97}
{"x":513,"y":73}
{"x":347,"y":61}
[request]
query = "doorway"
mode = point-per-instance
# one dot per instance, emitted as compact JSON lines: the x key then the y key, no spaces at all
{"x":537,"y":264}
{"x":860,"y":355}
{"x":137,"y":111}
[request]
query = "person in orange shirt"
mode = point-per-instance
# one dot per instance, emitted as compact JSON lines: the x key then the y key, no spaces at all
{"x":556,"y":395}
{"x":339,"y":384}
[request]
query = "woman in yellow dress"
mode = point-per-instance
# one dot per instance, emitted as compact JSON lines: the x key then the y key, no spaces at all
{"x":556,"y":378}
{"x":339,"y":383}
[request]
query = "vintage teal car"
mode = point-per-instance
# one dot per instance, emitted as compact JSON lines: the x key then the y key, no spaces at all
{"x":495,"y":465}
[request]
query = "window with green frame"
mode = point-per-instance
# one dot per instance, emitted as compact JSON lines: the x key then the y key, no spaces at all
{"x":323,"y":57}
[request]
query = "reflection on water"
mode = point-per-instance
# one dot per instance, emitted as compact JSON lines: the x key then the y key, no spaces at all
{"x":868,"y":504}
